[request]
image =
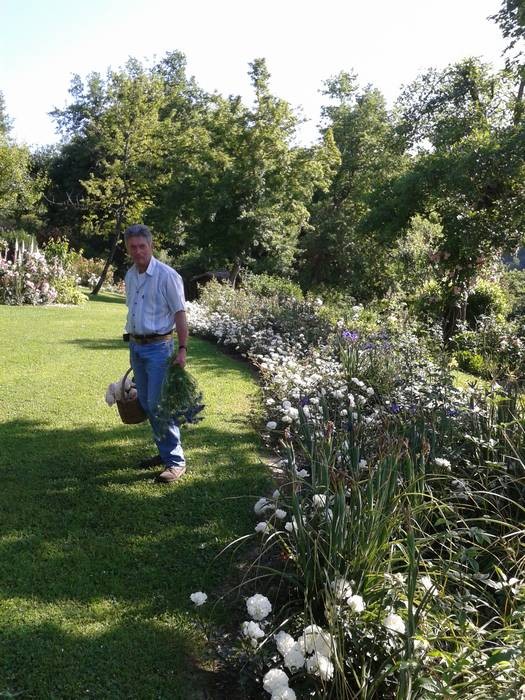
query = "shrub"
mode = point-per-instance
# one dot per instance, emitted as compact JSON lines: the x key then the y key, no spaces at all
{"x":513,"y":282}
{"x":487,"y":299}
{"x":68,"y":292}
{"x":427,"y":303}
{"x":269,"y":286}
{"x":470,"y":361}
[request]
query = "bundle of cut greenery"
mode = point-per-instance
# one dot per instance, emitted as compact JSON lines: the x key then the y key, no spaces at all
{"x":181,"y":398}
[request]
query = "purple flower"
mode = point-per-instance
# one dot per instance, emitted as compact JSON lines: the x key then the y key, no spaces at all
{"x":350,"y":336}
{"x":395,"y":407}
{"x":304,"y":401}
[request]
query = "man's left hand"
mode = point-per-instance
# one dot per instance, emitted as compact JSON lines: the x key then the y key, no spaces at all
{"x":180,"y":358}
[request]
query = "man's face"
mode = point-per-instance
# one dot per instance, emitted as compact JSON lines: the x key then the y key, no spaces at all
{"x":140,"y":251}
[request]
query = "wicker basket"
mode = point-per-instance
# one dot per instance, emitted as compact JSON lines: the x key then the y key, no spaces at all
{"x":130,"y":409}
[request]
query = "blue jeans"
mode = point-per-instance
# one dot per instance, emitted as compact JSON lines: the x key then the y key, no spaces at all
{"x":150,"y":363}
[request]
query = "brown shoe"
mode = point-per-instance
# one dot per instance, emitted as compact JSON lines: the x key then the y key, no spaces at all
{"x":171,"y":474}
{"x":150,"y":462}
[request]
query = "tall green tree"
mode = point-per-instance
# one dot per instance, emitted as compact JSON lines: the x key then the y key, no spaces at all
{"x":470,"y":174}
{"x":20,"y":191}
{"x":511,"y":21}
{"x":242,"y":193}
{"x":334,"y":250}
{"x":117,"y":119}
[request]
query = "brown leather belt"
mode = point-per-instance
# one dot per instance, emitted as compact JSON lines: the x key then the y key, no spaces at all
{"x":153,"y":338}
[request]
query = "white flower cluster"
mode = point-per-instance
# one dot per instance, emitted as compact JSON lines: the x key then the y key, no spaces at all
{"x":313,"y":650}
{"x":198,"y":598}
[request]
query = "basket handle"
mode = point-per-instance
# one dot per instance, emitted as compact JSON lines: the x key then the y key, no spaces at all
{"x":123,"y":383}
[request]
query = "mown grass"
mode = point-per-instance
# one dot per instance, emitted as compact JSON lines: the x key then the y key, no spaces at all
{"x":97,"y":560}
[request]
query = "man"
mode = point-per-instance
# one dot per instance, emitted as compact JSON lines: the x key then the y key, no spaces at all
{"x":155,"y":301}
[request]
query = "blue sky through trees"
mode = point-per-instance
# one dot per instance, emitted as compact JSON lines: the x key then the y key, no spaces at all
{"x":305,"y":42}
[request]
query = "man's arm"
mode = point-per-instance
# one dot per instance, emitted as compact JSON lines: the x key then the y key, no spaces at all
{"x":181,"y":328}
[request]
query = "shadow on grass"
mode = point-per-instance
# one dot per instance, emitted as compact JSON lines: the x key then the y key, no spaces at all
{"x":58,"y":664}
{"x":107,"y":297}
{"x":80,"y":528}
{"x":98,"y":343}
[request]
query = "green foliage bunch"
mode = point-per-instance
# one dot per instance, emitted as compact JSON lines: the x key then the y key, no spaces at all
{"x":271,"y":286}
{"x":495,"y":349}
{"x":181,"y":399}
{"x":513,"y":282}
{"x":488,"y":298}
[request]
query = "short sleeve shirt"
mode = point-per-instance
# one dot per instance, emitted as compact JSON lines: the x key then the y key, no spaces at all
{"x":153,"y":298}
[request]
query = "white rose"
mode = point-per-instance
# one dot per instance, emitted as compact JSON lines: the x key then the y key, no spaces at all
{"x":294,"y":658}
{"x":319,"y":665}
{"x":394,"y":623}
{"x":199,"y":598}
{"x":284,"y":642}
{"x":356,"y":603}
{"x":274,"y":679}
{"x":258,"y":606}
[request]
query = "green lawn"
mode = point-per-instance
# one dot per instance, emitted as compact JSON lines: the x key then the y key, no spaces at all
{"x":97,"y":560}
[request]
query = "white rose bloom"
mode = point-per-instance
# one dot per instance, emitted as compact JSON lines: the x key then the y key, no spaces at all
{"x":289,"y":526}
{"x":258,"y":606}
{"x":362,"y":464}
{"x":276,"y":494}
{"x":294,"y":658}
{"x":315,"y":639}
{"x":293,"y":413}
{"x":271,"y":425}
{"x":319,"y":500}
{"x":286,"y":405}
{"x":284,"y":642}
{"x":370,"y":391}
{"x":252,"y":629}
{"x":262,"y":505}
{"x":262,"y":526}
{"x":421,"y":646}
{"x":341,"y":588}
{"x":356,"y":603}
{"x":284,"y":693}
{"x":274,"y":679}
{"x":199,"y":598}
{"x":303,"y":473}
{"x":394,"y":623}
{"x":319,"y":665}
{"x":286,"y":418}
{"x":441,"y":462}
{"x":426,"y":583}
{"x":281,"y":514}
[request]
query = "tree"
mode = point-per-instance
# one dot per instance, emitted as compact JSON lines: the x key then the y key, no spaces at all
{"x":334,"y":251}
{"x":118,"y":118}
{"x":469,"y":172}
{"x":511,"y":20}
{"x":20,"y":192}
{"x":240,"y":192}
{"x":477,"y":190}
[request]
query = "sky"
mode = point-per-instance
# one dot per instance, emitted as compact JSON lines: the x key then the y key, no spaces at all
{"x":386,"y":42}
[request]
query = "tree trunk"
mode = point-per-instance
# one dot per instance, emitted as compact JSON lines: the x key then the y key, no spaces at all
{"x":518,"y":108}
{"x":109,"y":260}
{"x":234,"y":273}
{"x":455,"y":312}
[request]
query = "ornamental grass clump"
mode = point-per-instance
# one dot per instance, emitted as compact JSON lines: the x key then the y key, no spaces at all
{"x":181,"y":399}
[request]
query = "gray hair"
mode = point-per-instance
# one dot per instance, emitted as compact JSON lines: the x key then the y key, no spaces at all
{"x":137,"y":230}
